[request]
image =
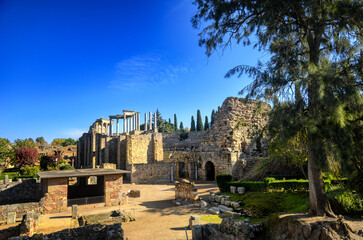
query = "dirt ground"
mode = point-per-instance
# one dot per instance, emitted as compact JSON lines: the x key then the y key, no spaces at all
{"x":157,"y":217}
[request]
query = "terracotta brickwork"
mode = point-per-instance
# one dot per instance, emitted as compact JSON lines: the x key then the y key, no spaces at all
{"x":113,"y":190}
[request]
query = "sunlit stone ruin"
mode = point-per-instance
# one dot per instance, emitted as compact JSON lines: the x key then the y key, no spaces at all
{"x":227,"y":147}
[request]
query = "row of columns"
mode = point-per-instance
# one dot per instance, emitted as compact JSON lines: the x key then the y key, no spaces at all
{"x":130,"y":123}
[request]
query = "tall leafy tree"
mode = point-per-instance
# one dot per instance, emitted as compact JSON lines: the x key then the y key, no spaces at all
{"x":40,"y":140}
{"x":206,"y":123}
{"x":181,"y":127}
{"x":315,"y":52}
{"x":199,"y":121}
{"x":212,"y":118}
{"x":159,"y":118}
{"x":175,"y":123}
{"x":192,"y":125}
{"x":5,"y":149}
{"x":169,"y":121}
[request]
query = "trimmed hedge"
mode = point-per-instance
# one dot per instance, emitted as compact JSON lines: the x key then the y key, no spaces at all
{"x":271,"y":185}
{"x":223,"y":182}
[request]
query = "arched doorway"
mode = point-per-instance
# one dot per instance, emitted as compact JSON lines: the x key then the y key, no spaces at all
{"x":209,"y":171}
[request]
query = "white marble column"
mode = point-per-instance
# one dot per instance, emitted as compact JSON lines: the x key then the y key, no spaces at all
{"x":110,"y":127}
{"x":117,"y":126}
{"x":155,"y":122}
{"x":130,"y":126}
{"x":145,"y":122}
{"x":150,"y":119}
{"x":124,"y":123}
{"x":138,"y":121}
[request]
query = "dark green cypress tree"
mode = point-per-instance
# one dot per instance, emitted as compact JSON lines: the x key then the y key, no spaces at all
{"x":192,"y":125}
{"x":181,"y":126}
{"x":169,"y":121}
{"x":199,"y":122}
{"x":175,"y":123}
{"x":212,"y":118}
{"x":206,"y":124}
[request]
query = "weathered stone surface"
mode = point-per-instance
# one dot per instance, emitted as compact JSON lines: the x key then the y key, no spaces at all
{"x":214,"y":210}
{"x":11,"y":218}
{"x":224,"y":209}
{"x":227,"y":203}
{"x":134,"y":193}
{"x":6,"y":179}
{"x":228,"y":229}
{"x":194,"y":220}
{"x":235,"y":205}
{"x":74,"y":211}
{"x":217,"y":198}
{"x":186,"y":191}
{"x":223,"y":200}
{"x":203,"y":204}
{"x":241,"y":190}
{"x":232,"y":189}
{"x":233,"y":214}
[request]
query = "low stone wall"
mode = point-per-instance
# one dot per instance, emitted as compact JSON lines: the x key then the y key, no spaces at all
{"x":20,"y":209}
{"x":96,"y":231}
{"x":157,"y":172}
{"x":27,"y":190}
{"x":228,"y":229}
{"x":113,"y":190}
{"x":186,"y":191}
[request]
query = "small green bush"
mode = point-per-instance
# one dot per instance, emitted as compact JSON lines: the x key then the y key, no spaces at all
{"x":66,"y":166}
{"x":30,"y":171}
{"x":345,"y":202}
{"x":223,"y":182}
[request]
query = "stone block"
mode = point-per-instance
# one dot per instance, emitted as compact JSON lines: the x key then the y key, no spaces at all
{"x":203,"y":204}
{"x":134,"y":193}
{"x":75,"y":211}
{"x":235,"y":205}
{"x":212,"y":193}
{"x":214,"y":210}
{"x":224,"y":209}
{"x":227,"y":203}
{"x":11,"y":218}
{"x":217,"y":199}
{"x":232,"y":189}
{"x":1,"y":182}
{"x":233,"y":214}
{"x":6,"y":179}
{"x":223,"y":200}
{"x":241,"y":190}
{"x":194,"y":220}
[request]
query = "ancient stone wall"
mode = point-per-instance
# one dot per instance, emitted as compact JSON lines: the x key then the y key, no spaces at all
{"x":20,"y":209}
{"x":96,"y":231}
{"x":157,"y":172}
{"x":55,"y":197}
{"x":27,"y":190}
{"x":186,"y":191}
{"x":172,"y":142}
{"x":146,"y":148}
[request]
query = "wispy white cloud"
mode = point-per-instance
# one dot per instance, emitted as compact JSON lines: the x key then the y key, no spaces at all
{"x":146,"y":71}
{"x":74,"y":133}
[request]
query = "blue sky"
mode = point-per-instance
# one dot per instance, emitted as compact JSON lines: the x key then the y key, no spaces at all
{"x":66,"y":63}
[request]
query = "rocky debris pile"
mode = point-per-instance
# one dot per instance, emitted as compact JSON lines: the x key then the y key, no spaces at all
{"x":105,"y":218}
{"x":186,"y":191}
{"x":229,"y":229}
{"x":96,"y":231}
{"x":294,"y":226}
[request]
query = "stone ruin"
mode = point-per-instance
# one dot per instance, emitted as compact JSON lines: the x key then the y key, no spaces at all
{"x":186,"y":191}
{"x":232,"y":142}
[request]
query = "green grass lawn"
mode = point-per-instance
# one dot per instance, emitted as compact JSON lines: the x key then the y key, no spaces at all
{"x":262,"y":204}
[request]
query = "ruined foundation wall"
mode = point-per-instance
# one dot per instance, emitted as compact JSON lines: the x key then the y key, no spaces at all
{"x":27,"y":190}
{"x":20,"y":209}
{"x":157,"y":172}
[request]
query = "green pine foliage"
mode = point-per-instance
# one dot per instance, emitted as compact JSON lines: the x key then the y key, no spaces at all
{"x":206,"y":123}
{"x":212,"y":117}
{"x":192,"y":125}
{"x":199,"y":121}
{"x":181,"y":127}
{"x":175,"y":123}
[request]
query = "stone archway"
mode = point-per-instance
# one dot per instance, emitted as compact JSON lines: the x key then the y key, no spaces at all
{"x":209,"y":171}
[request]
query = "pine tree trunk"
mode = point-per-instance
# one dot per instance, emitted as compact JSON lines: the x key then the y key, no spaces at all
{"x":319,"y":204}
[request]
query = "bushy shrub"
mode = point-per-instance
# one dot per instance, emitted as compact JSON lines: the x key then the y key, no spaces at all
{"x":222,"y":182}
{"x":26,"y":156}
{"x":65,"y":166}
{"x":30,"y":171}
{"x":356,"y":182}
{"x":51,"y":162}
{"x":345,"y":202}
